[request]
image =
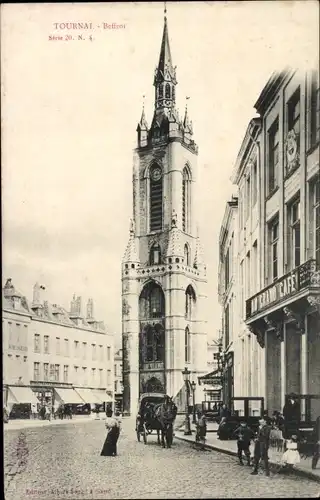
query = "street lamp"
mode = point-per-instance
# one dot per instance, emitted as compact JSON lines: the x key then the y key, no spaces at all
{"x":193,"y":387}
{"x":186,"y":375}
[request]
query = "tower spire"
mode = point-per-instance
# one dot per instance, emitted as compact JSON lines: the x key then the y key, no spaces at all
{"x":165,"y":73}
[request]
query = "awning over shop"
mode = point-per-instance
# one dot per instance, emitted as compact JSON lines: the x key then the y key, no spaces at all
{"x":68,"y":396}
{"x":105,"y":398}
{"x":89,"y":396}
{"x":209,"y":375}
{"x":21,"y":395}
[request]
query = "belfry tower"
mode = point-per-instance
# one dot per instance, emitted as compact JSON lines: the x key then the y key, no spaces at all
{"x":163,"y":273}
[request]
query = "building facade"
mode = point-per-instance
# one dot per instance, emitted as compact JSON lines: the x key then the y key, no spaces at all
{"x":228,"y":298}
{"x":163,"y":273}
{"x":118,"y":383}
{"x":16,"y":321}
{"x":67,"y":357}
{"x":277,"y":174}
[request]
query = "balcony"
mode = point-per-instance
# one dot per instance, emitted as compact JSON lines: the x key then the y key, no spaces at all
{"x":291,"y":297}
{"x":301,"y":282}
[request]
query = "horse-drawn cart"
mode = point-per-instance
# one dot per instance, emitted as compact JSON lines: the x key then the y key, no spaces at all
{"x":156,"y":412}
{"x":145,"y":422}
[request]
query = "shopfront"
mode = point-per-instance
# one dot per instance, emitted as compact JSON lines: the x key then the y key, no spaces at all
{"x":19,"y":400}
{"x":212,"y":389}
{"x":285,"y":317}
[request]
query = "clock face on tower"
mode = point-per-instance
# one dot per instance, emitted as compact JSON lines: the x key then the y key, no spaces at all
{"x":156,"y":174}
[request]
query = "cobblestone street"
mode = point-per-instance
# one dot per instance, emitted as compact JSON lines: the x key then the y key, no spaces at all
{"x":64,"y":462}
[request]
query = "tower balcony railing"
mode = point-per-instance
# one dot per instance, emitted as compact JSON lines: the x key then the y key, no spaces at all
{"x":299,"y":282}
{"x":156,"y":269}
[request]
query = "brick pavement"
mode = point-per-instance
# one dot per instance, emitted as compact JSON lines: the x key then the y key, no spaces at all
{"x":64,"y":462}
{"x":230,"y":447}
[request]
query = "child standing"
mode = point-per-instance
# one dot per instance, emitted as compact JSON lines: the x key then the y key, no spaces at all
{"x":291,"y":456}
{"x":244,"y":435}
{"x":201,"y":429}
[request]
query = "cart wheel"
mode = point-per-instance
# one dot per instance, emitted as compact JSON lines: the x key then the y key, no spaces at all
{"x":144,"y":434}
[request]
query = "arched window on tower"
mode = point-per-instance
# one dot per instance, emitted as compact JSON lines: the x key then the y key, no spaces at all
{"x":168,"y":91}
{"x":186,"y":199}
{"x":155,"y":201}
{"x":160,"y":91}
{"x":151,"y":315}
{"x":155,"y":254}
{"x":173,"y":93}
{"x":187,"y":345}
{"x":186,"y":255}
{"x":151,"y":302}
{"x":190,"y":303}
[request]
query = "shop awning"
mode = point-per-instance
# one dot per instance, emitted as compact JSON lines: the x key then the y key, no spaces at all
{"x":68,"y":396}
{"x":105,"y":398}
{"x":89,"y":396}
{"x":21,"y":395}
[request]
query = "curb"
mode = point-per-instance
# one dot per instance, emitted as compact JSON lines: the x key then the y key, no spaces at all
{"x":273,"y":465}
{"x":46,"y":424}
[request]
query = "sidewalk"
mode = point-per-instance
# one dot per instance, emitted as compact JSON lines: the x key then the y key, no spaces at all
{"x":28,"y":424}
{"x":230,"y":448}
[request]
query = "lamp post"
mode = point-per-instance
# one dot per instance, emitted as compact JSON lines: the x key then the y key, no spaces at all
{"x":186,"y":375}
{"x":193,"y":387}
{"x":220,"y":357}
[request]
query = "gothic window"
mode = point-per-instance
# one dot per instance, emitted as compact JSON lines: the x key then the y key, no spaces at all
{"x":160,"y":92}
{"x":152,"y":344}
{"x":186,"y":255}
{"x":173,"y":93}
{"x":149,"y":344}
{"x":190,"y":302}
{"x":186,"y":199}
{"x":187,"y":345}
{"x":159,"y":343}
{"x":151,"y":302}
{"x":155,"y":254}
{"x":168,"y":92}
{"x":156,"y":208}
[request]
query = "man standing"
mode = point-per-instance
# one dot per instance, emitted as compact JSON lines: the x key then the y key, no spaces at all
{"x":262,"y":446}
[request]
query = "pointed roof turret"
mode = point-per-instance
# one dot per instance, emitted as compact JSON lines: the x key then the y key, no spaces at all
{"x":187,"y":123}
{"x":142,"y":125}
{"x":199,"y":257}
{"x":131,"y":254}
{"x":174,"y":245}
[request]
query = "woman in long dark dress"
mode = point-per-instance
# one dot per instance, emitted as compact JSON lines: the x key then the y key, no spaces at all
{"x":113,"y":427}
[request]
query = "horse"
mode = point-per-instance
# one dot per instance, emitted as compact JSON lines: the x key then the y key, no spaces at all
{"x":164,"y":415}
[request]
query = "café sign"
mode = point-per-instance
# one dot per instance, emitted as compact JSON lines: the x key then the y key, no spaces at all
{"x":283,"y":288}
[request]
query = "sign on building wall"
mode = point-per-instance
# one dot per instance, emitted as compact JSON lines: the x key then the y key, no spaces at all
{"x":18,"y":337}
{"x":283,"y":288}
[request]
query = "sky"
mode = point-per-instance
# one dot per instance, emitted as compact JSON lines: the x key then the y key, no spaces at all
{"x":69,"y":114}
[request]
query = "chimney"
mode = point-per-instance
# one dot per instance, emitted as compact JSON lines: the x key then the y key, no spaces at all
{"x":73,"y":305}
{"x":90,"y":309}
{"x":36,"y":295}
{"x":78,"y":306}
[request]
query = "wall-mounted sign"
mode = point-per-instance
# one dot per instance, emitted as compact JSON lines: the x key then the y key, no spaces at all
{"x":278,"y":291}
{"x":22,"y":348}
{"x":212,"y":381}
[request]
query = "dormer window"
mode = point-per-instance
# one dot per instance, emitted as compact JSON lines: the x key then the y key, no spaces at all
{"x":16,"y":302}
